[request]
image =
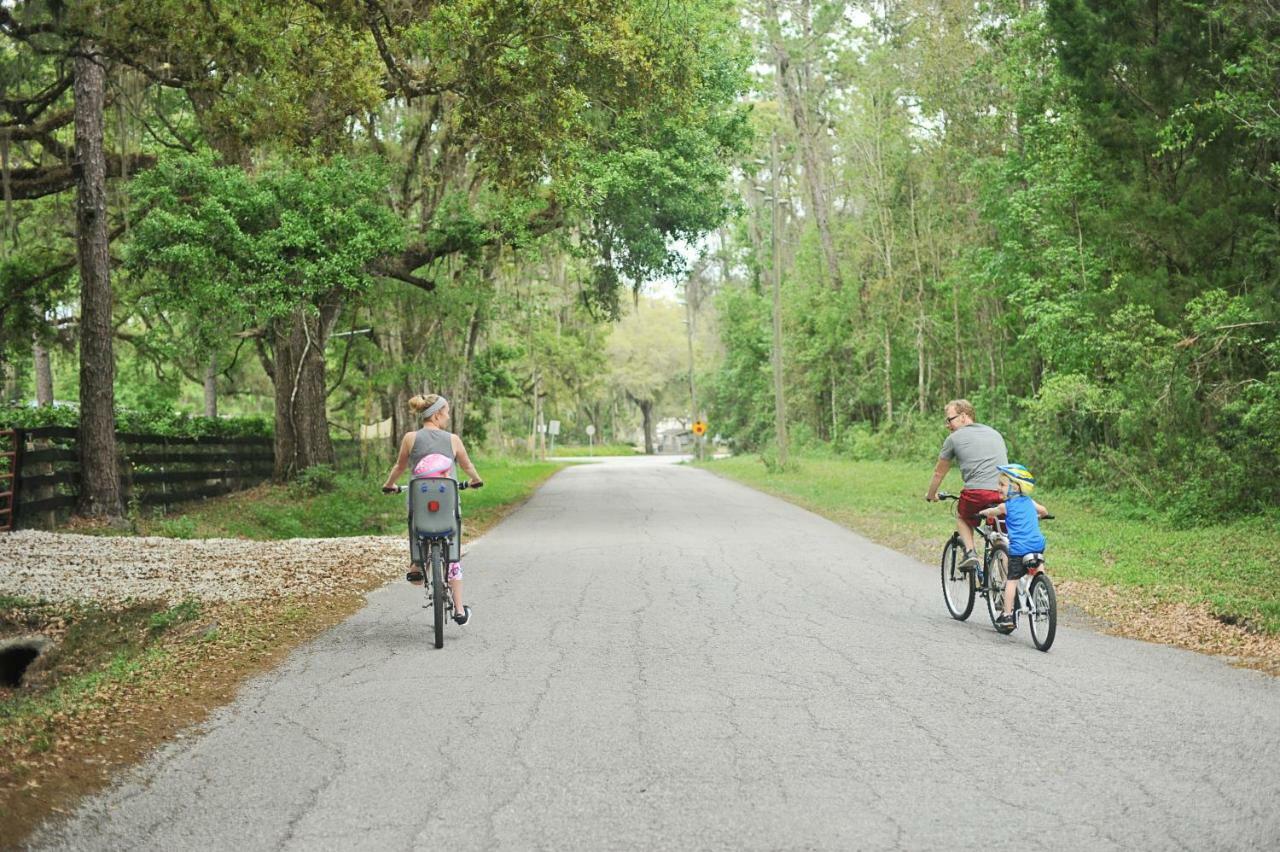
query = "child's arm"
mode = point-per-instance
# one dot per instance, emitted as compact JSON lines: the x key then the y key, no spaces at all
{"x":996,"y":511}
{"x":1040,"y":510}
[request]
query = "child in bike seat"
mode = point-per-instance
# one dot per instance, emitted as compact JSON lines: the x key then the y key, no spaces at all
{"x":1022,"y":522}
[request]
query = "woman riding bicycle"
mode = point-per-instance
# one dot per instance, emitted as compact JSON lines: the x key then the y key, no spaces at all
{"x":433,"y":440}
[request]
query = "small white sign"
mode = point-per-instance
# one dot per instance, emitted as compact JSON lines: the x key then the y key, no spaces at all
{"x":542,"y":428}
{"x":591,"y":430}
{"x":554,"y":427}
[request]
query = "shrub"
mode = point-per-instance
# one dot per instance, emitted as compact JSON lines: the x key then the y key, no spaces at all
{"x":313,"y":481}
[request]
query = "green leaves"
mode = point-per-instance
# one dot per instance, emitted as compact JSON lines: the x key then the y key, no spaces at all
{"x":231,"y":250}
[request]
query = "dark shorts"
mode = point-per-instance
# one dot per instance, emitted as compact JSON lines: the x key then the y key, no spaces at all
{"x":1018,"y":565}
{"x":973,"y":501}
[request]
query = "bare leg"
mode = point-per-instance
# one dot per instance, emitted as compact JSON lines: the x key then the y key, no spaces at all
{"x":1010,"y":595}
{"x":966,"y":533}
{"x":455,"y":588}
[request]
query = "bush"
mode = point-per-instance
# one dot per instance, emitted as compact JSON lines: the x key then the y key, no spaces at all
{"x":179,"y":527}
{"x":313,"y":481}
{"x":168,"y":423}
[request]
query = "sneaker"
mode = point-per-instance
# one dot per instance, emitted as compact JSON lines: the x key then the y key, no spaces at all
{"x":969,"y":562}
{"x":462,"y":619}
{"x":1006,"y":623}
{"x":414,"y":577}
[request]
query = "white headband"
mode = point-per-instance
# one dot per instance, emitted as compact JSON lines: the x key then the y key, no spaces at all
{"x":434,"y":407}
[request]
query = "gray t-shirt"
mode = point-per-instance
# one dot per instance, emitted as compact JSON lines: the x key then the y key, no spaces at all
{"x":428,"y":441}
{"x":978,"y":449}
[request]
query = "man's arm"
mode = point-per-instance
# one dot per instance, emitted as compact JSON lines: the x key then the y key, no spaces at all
{"x":939,"y":471}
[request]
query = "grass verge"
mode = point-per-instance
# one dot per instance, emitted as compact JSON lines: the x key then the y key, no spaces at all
{"x":575,"y":451}
{"x":123,"y":677}
{"x":1135,"y":571}
{"x":123,"y":680}
{"x":348,"y":504}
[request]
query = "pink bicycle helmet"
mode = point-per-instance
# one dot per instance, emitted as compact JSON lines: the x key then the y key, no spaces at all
{"x":433,"y":465}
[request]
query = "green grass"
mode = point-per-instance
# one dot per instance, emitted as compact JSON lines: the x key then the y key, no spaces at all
{"x":1231,"y":564}
{"x":574,"y":451}
{"x":100,"y":645}
{"x":354,"y":506}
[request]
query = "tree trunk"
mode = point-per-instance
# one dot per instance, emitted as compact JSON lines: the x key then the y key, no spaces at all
{"x":463,"y":393}
{"x":888,"y":377}
{"x":646,"y":411}
{"x":794,"y":96}
{"x":44,"y":374}
{"x":211,"y":387}
{"x":779,"y":398}
{"x":302,"y":423}
{"x":99,"y":475}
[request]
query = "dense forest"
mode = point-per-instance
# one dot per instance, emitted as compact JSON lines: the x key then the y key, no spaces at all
{"x":1064,"y":211}
{"x":608,"y":213}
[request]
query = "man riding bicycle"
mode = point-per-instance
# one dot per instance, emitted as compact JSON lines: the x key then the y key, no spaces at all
{"x":980,"y":451}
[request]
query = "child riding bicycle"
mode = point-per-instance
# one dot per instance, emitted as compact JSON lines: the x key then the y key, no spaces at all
{"x":1022,"y":524}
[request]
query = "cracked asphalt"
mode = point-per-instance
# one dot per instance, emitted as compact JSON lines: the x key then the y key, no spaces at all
{"x":662,"y":659}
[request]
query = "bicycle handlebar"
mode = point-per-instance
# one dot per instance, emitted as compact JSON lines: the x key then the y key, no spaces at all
{"x":462,"y":486}
{"x":942,"y":495}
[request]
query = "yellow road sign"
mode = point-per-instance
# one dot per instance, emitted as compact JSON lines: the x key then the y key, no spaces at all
{"x":699,"y":427}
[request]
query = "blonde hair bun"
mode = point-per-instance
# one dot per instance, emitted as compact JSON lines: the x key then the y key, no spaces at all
{"x":422,"y":403}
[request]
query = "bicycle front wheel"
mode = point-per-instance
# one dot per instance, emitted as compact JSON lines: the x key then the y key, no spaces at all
{"x":957,"y":585}
{"x":437,"y":591}
{"x":1044,"y":611}
{"x":997,"y":574}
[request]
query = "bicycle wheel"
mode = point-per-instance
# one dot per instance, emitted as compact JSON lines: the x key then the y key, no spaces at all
{"x":957,"y":585}
{"x":1044,"y":611}
{"x":437,"y":591}
{"x":997,"y":565}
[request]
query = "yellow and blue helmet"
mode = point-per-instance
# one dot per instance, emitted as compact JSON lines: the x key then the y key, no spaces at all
{"x":1019,"y":474}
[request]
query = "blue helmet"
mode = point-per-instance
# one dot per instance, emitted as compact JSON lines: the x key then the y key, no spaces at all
{"x":1019,"y":474}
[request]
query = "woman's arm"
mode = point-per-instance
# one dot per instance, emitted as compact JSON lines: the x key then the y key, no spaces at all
{"x":406,"y":446}
{"x":464,"y":461}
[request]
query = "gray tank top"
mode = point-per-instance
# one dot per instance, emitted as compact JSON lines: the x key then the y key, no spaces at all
{"x":428,"y":441}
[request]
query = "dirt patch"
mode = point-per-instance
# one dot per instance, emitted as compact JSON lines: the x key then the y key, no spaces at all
{"x":1124,"y":612}
{"x":55,"y":748}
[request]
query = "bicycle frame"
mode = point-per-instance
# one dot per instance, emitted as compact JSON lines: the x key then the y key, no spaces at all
{"x":435,"y":539}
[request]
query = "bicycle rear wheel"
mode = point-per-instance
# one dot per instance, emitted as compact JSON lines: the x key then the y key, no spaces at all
{"x":1043,"y":617}
{"x":997,"y":573}
{"x":437,"y":591}
{"x":957,"y":585}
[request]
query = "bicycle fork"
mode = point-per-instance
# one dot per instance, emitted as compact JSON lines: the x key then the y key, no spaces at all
{"x":1023,"y":602}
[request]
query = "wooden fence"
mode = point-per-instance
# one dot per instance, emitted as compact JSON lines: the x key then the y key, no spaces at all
{"x":8,"y":478}
{"x":154,"y":471}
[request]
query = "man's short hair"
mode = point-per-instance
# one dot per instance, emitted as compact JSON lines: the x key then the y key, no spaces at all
{"x":962,"y":406}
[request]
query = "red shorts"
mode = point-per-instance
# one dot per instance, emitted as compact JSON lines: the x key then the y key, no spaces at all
{"x":973,"y":501}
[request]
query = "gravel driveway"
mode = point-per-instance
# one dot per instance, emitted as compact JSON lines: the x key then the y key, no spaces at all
{"x":63,"y":567}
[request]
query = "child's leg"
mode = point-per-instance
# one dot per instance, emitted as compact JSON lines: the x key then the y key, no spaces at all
{"x":1010,"y":595}
{"x":455,"y":585}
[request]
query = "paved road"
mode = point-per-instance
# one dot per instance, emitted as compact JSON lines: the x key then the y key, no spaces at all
{"x":661,"y":659}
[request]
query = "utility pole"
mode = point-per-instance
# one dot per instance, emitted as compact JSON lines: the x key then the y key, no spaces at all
{"x":779,"y":401}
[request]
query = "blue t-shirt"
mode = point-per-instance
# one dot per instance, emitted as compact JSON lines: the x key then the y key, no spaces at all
{"x":1023,"y":524}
